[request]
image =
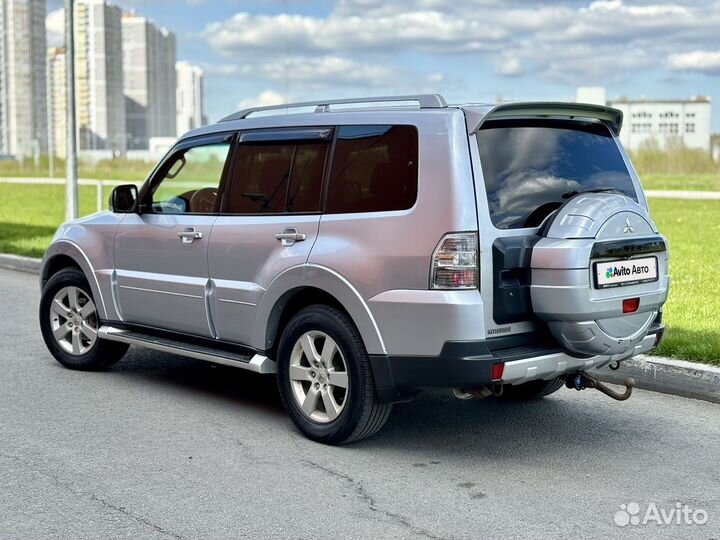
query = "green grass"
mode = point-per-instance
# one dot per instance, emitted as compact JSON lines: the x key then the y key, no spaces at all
{"x":692,"y":313}
{"x":688,"y":182}
{"x":29,"y":216}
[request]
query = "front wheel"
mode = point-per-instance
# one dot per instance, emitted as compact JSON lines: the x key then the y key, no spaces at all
{"x":325,"y":380}
{"x":69,"y":324}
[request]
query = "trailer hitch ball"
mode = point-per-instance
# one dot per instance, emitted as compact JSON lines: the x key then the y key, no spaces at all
{"x":581,"y":381}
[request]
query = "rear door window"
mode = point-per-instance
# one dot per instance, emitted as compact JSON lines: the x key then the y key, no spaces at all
{"x":531,"y":167}
{"x":375,"y":169}
{"x":277,"y":177}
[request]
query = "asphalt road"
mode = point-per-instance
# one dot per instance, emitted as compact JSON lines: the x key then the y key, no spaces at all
{"x":166,"y":447}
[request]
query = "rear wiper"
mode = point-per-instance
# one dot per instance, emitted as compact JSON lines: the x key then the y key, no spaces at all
{"x":601,"y":190}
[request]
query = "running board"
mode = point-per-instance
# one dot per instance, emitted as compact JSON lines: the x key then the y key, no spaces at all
{"x":256,"y":363}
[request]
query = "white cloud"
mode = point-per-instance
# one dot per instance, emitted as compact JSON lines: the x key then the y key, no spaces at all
{"x":357,"y":43}
{"x":313,"y":73}
{"x":509,"y":67}
{"x":704,"y":61}
{"x":263,"y":99}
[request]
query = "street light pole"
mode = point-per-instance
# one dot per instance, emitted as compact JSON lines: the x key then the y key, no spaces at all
{"x":71,"y":169}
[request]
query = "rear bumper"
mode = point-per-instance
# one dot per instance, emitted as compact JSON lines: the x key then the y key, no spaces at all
{"x":469,"y":364}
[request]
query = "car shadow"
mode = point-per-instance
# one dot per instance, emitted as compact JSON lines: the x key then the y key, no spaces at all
{"x":435,"y":423}
{"x":235,"y":387}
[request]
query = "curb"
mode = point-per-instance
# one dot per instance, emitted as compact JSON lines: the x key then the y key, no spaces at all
{"x":668,"y":376}
{"x":665,"y":375}
{"x":18,"y":263}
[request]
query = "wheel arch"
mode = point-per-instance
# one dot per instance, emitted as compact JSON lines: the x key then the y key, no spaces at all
{"x":307,"y":285}
{"x":66,"y":254}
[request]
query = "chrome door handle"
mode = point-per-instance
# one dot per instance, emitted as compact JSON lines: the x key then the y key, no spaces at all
{"x":289,"y":236}
{"x":188,"y":236}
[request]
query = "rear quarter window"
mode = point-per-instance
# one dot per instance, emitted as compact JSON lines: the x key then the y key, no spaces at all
{"x":531,"y":167}
{"x":375,"y":169}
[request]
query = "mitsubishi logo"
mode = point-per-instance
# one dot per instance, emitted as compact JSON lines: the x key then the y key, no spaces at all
{"x":628,"y":227}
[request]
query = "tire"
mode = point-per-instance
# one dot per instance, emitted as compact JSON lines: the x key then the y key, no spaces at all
{"x":75,"y":349}
{"x":353,"y":412}
{"x":532,"y":390}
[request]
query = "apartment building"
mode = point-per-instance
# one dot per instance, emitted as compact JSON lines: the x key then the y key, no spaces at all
{"x":23,"y":107}
{"x":57,"y":91}
{"x":190,"y":114}
{"x":99,"y":76}
{"x":149,"y":54}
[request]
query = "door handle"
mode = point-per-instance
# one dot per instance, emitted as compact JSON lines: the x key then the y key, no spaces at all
{"x":289,"y":236}
{"x":188,"y":236}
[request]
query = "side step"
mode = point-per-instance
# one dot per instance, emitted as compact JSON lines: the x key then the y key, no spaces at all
{"x":256,"y":363}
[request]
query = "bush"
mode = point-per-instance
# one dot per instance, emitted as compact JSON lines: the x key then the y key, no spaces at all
{"x":674,"y":158}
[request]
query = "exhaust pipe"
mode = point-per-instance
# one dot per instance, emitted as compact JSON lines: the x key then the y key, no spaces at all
{"x":475,"y":393}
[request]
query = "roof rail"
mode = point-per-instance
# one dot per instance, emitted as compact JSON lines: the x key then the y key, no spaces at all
{"x":425,"y":101}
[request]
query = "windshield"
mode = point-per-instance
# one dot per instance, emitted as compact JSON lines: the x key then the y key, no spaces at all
{"x":532,"y":166}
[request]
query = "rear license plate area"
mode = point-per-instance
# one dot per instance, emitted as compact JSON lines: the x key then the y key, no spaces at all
{"x":622,"y":273}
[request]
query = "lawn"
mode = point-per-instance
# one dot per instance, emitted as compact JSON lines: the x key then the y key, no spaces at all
{"x":689,"y":182}
{"x":29,"y":216}
{"x":692,"y":313}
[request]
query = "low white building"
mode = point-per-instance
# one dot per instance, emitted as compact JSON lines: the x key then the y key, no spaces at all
{"x":663,"y":120}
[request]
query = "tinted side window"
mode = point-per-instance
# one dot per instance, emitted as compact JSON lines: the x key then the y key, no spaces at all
{"x":375,"y":168}
{"x":276,"y":178}
{"x":190,"y":184}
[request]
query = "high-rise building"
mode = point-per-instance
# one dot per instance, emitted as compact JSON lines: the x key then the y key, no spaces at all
{"x":189,"y":97}
{"x":23,"y":107}
{"x":57,"y":91}
{"x":149,"y":80}
{"x":99,"y":76}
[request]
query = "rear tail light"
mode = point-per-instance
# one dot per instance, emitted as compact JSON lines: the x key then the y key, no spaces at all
{"x":455,"y":262}
{"x":630,"y":305}
{"x":496,"y":372}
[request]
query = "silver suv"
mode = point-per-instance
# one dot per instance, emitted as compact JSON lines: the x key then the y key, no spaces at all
{"x":365,"y":249}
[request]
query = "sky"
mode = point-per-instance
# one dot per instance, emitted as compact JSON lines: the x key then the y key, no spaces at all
{"x":267,"y":51}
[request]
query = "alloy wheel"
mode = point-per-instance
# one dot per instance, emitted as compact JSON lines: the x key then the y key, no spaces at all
{"x":318,"y":376}
{"x":73,"y":320}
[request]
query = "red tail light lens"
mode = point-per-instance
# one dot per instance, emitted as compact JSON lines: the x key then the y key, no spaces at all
{"x":496,"y":372}
{"x":455,"y":262}
{"x":631,"y":305}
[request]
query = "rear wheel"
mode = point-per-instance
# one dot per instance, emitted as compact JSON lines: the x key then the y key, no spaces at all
{"x":532,"y":390}
{"x":325,"y":380}
{"x":69,"y":324}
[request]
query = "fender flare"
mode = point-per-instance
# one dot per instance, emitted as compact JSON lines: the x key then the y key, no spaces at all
{"x":68,"y":248}
{"x":320,"y":277}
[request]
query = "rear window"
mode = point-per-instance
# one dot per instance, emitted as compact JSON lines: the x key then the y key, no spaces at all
{"x":532,"y":167}
{"x":375,"y":168}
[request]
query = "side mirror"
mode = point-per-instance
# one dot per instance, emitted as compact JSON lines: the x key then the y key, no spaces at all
{"x":123,"y":199}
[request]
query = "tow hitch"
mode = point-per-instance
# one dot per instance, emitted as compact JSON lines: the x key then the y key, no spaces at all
{"x":581,"y":381}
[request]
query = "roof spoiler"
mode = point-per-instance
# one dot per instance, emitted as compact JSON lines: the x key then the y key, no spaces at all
{"x":607,"y":115}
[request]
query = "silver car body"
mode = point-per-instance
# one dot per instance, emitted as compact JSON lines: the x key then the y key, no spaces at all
{"x":231,"y":284}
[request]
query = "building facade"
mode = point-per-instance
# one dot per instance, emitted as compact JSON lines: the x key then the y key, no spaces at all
{"x":23,"y":97}
{"x":57,"y":91}
{"x":99,"y":76}
{"x":190,"y":113}
{"x":662,"y":121}
{"x":149,"y":54}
